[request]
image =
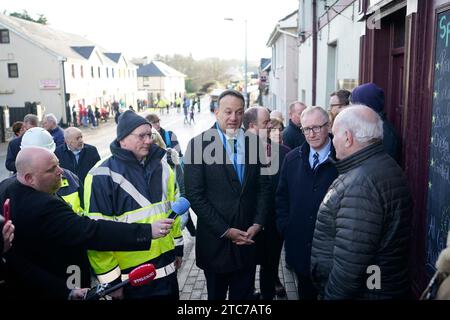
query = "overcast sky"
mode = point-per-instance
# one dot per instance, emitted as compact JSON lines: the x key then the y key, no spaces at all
{"x":146,"y":27}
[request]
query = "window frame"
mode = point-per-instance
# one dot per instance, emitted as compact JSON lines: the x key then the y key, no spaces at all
{"x":10,"y":75}
{"x":2,"y":31}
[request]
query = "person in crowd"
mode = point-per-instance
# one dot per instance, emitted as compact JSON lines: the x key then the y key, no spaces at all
{"x":50,"y":123}
{"x":170,"y":138}
{"x":174,"y":161}
{"x":29,"y":121}
{"x":275,"y":114}
{"x":74,"y":116}
{"x":361,"y":240}
{"x":75,"y":155}
{"x":192,"y":114}
{"x":231,"y":199}
{"x":306,"y":174}
{"x":276,"y":131}
{"x":70,"y":190}
{"x":50,"y":241}
{"x":371,"y":95}
{"x":268,"y":242}
{"x":293,"y":136}
{"x":135,"y":184}
{"x":338,"y":101}
{"x":186,"y":106}
{"x":18,"y":128}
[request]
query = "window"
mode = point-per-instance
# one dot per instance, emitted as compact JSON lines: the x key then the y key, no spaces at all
{"x":4,"y":36}
{"x":92,"y":72}
{"x":107,"y":73}
{"x":13,"y":70}
{"x":112,"y":72}
{"x":73,"y":71}
{"x":99,"y":72}
{"x":81,"y":71}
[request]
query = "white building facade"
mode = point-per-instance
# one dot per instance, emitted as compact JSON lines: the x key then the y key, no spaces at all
{"x":283,"y":76}
{"x":56,"y":70}
{"x":158,"y":80}
{"x":338,"y":42}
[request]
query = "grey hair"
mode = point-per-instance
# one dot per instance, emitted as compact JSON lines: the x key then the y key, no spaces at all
{"x":69,"y":131}
{"x":364,"y":127}
{"x":51,"y":117}
{"x":312,"y":109}
{"x":31,"y":119}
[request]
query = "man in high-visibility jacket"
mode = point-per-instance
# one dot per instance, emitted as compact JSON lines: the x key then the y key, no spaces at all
{"x":135,"y":184}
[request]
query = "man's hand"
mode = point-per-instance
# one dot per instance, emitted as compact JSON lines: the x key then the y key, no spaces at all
{"x":8,"y":235}
{"x":178,"y":261}
{"x":117,"y":295}
{"x":238,"y":237}
{"x":253,"y":230}
{"x":161,"y":228}
{"x":78,"y":294}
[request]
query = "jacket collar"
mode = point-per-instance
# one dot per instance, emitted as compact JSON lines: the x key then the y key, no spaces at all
{"x":294,"y":126}
{"x":155,"y":152}
{"x":359,"y":157}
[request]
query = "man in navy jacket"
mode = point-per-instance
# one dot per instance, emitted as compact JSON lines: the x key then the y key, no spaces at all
{"x":305,"y":177}
{"x":75,"y":155}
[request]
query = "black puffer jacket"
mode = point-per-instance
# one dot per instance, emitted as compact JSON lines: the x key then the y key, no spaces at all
{"x":364,"y":220}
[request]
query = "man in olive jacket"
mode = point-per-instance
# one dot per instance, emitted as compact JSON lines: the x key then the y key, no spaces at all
{"x":360,"y":244}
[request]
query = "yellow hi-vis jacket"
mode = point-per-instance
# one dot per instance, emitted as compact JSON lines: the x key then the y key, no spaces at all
{"x":121,"y":189}
{"x":69,"y":191}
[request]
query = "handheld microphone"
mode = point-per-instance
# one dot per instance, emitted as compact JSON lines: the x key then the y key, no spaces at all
{"x":139,"y":276}
{"x":180,"y":206}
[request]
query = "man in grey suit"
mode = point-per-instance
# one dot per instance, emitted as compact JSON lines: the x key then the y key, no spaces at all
{"x":230,"y":195}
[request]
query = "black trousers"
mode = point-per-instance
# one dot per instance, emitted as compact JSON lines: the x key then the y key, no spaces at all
{"x":306,"y":289}
{"x":269,"y":251}
{"x":240,"y":284}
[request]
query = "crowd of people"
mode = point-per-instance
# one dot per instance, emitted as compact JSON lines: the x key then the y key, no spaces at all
{"x":328,"y":187}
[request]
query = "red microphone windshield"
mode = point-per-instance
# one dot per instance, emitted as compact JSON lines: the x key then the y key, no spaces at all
{"x":142,"y":275}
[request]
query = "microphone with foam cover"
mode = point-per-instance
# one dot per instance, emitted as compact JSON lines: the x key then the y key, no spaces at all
{"x":180,"y":206}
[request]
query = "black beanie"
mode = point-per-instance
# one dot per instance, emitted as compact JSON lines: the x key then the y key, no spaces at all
{"x":128,"y":121}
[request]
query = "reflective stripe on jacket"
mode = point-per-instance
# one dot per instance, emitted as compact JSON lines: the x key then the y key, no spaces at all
{"x":121,"y":189}
{"x":69,"y":191}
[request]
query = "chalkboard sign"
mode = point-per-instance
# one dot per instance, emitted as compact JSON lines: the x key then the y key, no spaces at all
{"x":438,"y":205}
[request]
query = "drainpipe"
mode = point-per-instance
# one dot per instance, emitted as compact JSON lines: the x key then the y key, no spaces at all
{"x":63,"y":83}
{"x":314,"y":51}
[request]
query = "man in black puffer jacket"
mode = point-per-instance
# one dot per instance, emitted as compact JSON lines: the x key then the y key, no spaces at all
{"x":360,"y":244}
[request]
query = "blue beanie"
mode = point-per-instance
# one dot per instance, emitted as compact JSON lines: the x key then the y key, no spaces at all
{"x":128,"y":121}
{"x":370,"y":95}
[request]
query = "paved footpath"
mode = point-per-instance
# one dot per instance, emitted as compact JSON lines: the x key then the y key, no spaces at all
{"x":192,"y":281}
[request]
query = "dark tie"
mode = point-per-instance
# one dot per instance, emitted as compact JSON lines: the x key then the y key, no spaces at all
{"x":232,"y":145}
{"x":315,"y":160}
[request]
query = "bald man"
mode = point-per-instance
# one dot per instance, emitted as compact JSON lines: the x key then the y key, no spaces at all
{"x":293,"y":135}
{"x":362,"y":234}
{"x":48,"y":258}
{"x":75,"y":155}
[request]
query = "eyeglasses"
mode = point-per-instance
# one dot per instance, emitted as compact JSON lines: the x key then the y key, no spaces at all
{"x":316,"y":129}
{"x":142,"y":136}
